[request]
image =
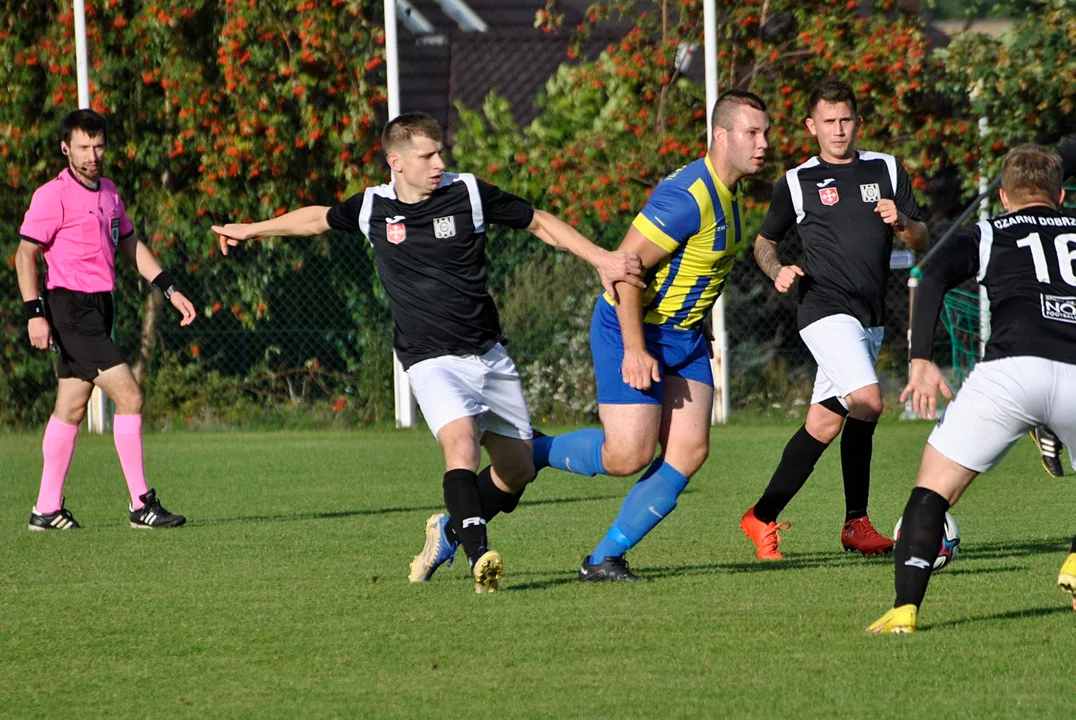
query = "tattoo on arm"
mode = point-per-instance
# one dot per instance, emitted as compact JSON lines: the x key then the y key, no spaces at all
{"x":766,"y":257}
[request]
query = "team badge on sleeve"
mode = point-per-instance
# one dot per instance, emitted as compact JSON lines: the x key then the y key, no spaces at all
{"x":395,"y":232}
{"x":114,"y":231}
{"x":870,"y":192}
{"x":828,"y":196}
{"x":444,"y":227}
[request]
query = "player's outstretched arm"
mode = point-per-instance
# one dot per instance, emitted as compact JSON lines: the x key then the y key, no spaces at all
{"x":311,"y":220}
{"x":954,"y":264}
{"x":783,"y":276}
{"x":26,"y":269}
{"x":613,"y":267}
{"x":139,"y":255}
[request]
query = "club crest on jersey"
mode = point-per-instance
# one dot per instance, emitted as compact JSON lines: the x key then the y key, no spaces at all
{"x":870,"y":192}
{"x":444,"y":227}
{"x":828,"y":196}
{"x":395,"y":232}
{"x":114,"y":231}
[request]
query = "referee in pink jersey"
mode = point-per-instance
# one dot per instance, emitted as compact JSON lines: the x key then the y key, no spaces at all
{"x":78,"y":222}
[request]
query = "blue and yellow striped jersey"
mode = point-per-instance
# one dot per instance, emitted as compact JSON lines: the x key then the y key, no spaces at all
{"x":693,"y":216}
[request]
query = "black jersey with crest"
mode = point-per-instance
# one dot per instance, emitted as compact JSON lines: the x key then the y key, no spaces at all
{"x":846,"y":244}
{"x":1026,"y":260}
{"x":431,"y":258}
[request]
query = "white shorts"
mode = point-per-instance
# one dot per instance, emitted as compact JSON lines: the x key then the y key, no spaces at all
{"x":845,"y":352}
{"x":487,"y":388}
{"x":1000,"y":401}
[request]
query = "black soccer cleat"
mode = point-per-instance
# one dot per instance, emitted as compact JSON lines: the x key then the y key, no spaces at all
{"x":152,"y":515}
{"x":1050,"y":448}
{"x":62,"y":519}
{"x":611,"y":569}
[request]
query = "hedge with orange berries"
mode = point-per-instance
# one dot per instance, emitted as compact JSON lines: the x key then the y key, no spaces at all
{"x":219,"y":110}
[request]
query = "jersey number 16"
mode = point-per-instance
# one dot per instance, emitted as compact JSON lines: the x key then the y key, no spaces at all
{"x":1066,"y":256}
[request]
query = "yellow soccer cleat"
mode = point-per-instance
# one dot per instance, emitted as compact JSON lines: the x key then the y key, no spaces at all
{"x":1066,"y":579}
{"x":487,"y":572}
{"x":898,"y":620}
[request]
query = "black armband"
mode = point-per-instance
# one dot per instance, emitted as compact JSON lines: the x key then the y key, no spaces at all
{"x":166,"y":284}
{"x":32,"y":309}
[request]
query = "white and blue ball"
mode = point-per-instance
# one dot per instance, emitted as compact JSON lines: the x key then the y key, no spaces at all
{"x":949,"y":545}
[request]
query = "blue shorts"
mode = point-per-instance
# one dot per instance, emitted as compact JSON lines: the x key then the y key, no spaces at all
{"x":681,"y":353}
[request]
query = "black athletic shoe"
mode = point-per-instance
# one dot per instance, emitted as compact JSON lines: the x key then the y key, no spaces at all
{"x":151,"y":515}
{"x":611,"y":569}
{"x":1050,"y":448}
{"x":59,"y":520}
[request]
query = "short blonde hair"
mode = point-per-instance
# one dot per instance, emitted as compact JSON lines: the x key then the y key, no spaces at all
{"x":1031,"y":173}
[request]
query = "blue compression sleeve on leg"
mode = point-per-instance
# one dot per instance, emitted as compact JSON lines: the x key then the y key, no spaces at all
{"x":651,"y":499}
{"x":578,"y":452}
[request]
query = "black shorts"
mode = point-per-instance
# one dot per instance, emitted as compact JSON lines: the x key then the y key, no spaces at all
{"x":81,"y":328}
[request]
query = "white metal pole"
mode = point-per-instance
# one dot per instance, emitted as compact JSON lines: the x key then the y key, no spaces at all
{"x":984,"y":213}
{"x":404,"y":398}
{"x":392,"y":64}
{"x":719,"y":364}
{"x":81,"y":64}
{"x":97,"y":408}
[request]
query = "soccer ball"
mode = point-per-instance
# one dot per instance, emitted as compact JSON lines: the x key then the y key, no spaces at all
{"x":949,"y":544}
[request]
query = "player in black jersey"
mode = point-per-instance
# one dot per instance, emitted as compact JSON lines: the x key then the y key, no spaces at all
{"x":1026,"y":259}
{"x":847,"y":206}
{"x":428,"y":231}
{"x":1046,"y":441}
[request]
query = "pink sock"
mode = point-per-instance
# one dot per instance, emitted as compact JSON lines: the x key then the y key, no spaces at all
{"x":58,"y":447}
{"x":127,"y":433}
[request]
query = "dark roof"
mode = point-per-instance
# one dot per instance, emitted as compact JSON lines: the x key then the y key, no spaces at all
{"x":512,"y":56}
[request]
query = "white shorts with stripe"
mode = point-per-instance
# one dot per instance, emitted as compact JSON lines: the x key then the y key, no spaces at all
{"x":845,"y":352}
{"x":485,"y":387}
{"x":1000,"y":401}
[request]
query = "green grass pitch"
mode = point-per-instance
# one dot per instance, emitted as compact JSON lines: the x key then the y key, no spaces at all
{"x":286,"y":595}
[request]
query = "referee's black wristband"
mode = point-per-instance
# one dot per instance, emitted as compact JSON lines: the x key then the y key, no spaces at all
{"x":32,"y":309}
{"x":166,"y":284}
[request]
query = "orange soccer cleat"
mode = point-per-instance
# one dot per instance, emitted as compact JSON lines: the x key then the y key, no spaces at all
{"x":766,"y":536}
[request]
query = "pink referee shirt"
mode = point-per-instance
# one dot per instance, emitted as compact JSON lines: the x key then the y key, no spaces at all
{"x":78,"y":229}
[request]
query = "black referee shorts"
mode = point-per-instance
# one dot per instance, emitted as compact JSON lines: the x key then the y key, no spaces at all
{"x":81,"y":328}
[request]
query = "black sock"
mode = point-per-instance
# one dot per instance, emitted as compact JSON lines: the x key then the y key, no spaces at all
{"x":1073,"y":545}
{"x":494,"y":500}
{"x":465,"y":511}
{"x":857,"y":446}
{"x":917,"y":548}
{"x":797,"y":463}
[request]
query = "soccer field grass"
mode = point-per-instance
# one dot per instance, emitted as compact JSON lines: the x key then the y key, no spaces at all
{"x":286,"y":595}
